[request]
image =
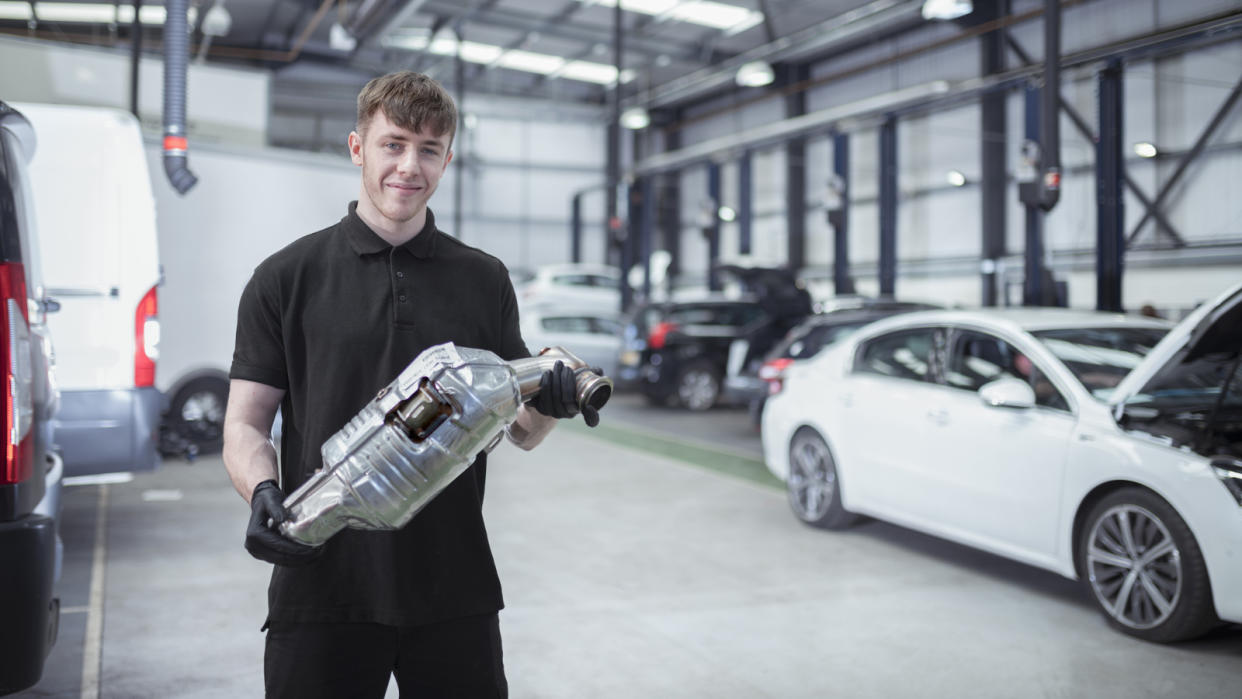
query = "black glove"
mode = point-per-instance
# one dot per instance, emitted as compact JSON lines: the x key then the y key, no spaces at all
{"x":558,"y":395}
{"x":266,"y":543}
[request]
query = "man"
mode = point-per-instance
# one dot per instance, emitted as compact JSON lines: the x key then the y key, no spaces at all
{"x":323,"y":325}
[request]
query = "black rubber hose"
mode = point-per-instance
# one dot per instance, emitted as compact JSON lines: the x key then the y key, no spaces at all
{"x":176,"y":56}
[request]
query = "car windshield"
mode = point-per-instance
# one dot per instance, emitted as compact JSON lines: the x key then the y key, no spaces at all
{"x":1100,"y":357}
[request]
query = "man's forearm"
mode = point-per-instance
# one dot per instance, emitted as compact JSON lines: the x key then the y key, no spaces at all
{"x":249,"y":457}
{"x":530,"y":428}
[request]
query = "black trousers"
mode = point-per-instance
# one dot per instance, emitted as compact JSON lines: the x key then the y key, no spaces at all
{"x":457,"y":658}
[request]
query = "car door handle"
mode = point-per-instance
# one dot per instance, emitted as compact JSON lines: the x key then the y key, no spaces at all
{"x":938,"y":416}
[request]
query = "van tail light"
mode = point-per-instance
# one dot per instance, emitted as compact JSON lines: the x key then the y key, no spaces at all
{"x":146,"y":339}
{"x":18,"y":376}
{"x":773,"y":371}
{"x":659,"y":334}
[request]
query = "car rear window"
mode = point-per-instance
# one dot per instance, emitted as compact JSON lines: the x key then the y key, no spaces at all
{"x":1100,"y":357}
{"x":732,"y":316}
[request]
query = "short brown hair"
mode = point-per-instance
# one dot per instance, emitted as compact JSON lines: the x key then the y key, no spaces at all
{"x":409,"y":100}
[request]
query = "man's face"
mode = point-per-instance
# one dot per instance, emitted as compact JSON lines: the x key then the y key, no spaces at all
{"x":400,"y":168}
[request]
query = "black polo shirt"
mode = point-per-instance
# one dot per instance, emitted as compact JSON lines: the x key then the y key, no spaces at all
{"x":332,"y":318}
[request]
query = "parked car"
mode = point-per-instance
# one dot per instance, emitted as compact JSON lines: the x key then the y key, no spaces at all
{"x":683,"y":351}
{"x":30,"y":480}
{"x":592,"y":335}
{"x":1078,"y":442}
{"x":762,"y":375}
{"x":574,"y":285}
{"x":101,"y":261}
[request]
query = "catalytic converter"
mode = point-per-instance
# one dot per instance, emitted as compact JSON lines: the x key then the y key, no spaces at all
{"x":420,"y":433}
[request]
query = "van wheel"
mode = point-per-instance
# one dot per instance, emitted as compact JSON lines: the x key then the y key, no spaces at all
{"x":196,"y":413}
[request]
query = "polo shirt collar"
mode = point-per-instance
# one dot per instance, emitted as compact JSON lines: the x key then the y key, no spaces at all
{"x":364,"y":241}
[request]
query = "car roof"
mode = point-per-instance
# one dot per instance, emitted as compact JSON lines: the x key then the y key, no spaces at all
{"x":1030,"y":319}
{"x":578,"y":268}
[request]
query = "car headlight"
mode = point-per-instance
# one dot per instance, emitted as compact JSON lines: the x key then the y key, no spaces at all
{"x":1229,"y":471}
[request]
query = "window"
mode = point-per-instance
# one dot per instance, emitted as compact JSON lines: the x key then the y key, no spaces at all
{"x":905,"y":354}
{"x":978,"y":358}
{"x":1100,"y":357}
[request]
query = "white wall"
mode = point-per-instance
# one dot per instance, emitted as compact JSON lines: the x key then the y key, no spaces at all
{"x":248,"y":204}
{"x":223,"y":105}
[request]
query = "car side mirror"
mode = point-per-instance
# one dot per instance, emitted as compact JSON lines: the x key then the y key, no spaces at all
{"x":1007,"y":392}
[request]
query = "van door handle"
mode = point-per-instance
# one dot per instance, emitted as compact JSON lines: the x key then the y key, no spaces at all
{"x":49,"y":305}
{"x":86,"y":291}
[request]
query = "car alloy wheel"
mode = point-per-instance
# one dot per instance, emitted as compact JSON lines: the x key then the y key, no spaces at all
{"x":1134,"y":566}
{"x":812,"y":484}
{"x":196,"y":413}
{"x":1143,"y":567}
{"x":698,"y":387}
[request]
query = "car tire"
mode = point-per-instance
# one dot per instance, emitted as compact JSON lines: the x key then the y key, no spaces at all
{"x":196,"y":413}
{"x":1143,"y":568}
{"x":698,"y":386}
{"x":813,"y":484}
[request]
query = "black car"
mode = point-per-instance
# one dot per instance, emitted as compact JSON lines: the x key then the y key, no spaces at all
{"x":758,"y":378}
{"x":682,"y":352}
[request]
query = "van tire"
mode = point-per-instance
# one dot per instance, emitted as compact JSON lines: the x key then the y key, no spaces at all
{"x":196,"y":413}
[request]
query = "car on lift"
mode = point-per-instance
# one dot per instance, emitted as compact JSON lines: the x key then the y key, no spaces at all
{"x":575,"y":285}
{"x":763,"y":375}
{"x":30,"y":480}
{"x":682,"y":352}
{"x":1102,"y":447}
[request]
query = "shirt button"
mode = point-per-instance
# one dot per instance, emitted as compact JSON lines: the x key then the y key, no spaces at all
{"x":401,"y":298}
{"x":400,"y":275}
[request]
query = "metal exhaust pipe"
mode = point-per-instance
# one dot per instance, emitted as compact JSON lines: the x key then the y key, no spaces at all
{"x":176,"y":56}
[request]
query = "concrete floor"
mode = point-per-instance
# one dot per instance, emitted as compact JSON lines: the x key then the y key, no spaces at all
{"x":628,"y":574}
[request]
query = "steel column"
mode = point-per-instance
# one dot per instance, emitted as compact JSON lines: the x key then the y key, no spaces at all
{"x":795,"y":174}
{"x":1109,"y":192}
{"x":633,"y":217}
{"x":713,"y":225}
{"x":575,"y":229}
{"x":459,"y":180}
{"x":1033,"y":253}
{"x":888,"y":206}
{"x":745,"y":203}
{"x":612,"y":224}
{"x":992,"y":149}
{"x":1050,"y":108}
{"x":839,"y":214}
{"x":647,"y":189}
{"x":670,"y":207}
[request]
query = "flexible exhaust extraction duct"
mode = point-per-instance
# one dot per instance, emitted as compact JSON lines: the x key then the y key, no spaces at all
{"x":176,"y":56}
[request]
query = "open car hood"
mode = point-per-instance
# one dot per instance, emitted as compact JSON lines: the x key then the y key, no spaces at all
{"x":1213,"y":328}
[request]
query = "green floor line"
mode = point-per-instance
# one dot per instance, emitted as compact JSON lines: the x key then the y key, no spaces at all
{"x":734,"y":465}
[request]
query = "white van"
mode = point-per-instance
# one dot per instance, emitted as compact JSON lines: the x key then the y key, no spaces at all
{"x":96,"y":222}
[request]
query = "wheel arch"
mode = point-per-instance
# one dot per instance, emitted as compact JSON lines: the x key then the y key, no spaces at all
{"x":1089,"y":502}
{"x":832,"y":450}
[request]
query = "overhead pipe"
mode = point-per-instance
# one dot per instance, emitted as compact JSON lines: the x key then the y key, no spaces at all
{"x":176,"y":55}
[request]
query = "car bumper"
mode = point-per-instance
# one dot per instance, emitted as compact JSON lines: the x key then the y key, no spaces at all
{"x":744,"y":389}
{"x":31,"y":615}
{"x":106,"y":431}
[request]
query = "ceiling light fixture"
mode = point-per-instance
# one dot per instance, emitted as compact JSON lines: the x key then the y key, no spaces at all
{"x":635,"y":118}
{"x":755,"y":74}
{"x":217,"y":21}
{"x":730,"y":19}
{"x":1143,"y":149}
{"x":339,"y":38}
{"x":726,"y":214}
{"x":488,"y":54}
{"x":956,"y":178}
{"x":946,"y":9}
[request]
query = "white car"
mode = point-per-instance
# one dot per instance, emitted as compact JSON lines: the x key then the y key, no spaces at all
{"x":573,"y":285}
{"x":1066,"y":440}
{"x":595,"y":337}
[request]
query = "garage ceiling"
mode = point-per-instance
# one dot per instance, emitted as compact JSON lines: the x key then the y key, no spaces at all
{"x":554,"y":49}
